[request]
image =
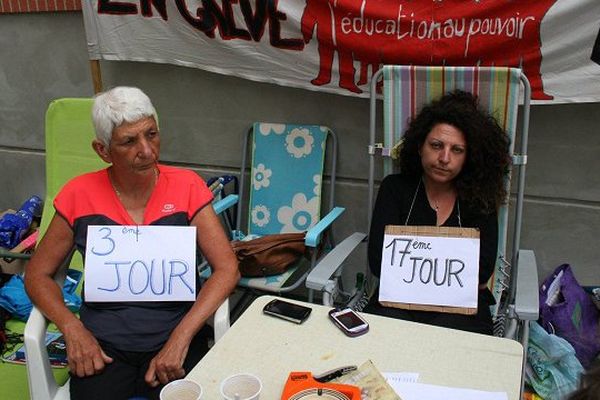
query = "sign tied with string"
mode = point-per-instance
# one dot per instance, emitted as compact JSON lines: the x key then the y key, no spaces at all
{"x":430,"y":268}
{"x":140,"y":263}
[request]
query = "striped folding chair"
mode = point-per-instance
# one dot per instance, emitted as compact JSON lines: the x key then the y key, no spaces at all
{"x":406,"y":90}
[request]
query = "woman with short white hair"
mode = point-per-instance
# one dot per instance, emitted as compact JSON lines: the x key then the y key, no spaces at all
{"x":118,"y":350}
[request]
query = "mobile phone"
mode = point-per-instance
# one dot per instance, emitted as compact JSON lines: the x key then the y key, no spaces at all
{"x":349,"y":321}
{"x":286,"y":310}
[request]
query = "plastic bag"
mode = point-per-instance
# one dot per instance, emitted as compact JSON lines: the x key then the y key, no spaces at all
{"x":14,"y":225}
{"x":552,"y":368}
{"x":567,"y":310}
{"x":14,"y":299}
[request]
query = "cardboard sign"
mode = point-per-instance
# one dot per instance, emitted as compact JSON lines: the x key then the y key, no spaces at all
{"x":140,"y":263}
{"x":430,"y":268}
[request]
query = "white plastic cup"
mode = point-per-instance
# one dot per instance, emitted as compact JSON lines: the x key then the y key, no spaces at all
{"x":241,"y":387}
{"x":181,"y":389}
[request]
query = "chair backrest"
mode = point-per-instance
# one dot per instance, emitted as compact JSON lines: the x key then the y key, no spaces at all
{"x":408,"y":88}
{"x":286,"y":177}
{"x":69,"y":152}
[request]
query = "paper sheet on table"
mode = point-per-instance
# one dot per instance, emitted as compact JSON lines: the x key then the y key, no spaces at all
{"x":420,"y":391}
{"x":371,"y":381}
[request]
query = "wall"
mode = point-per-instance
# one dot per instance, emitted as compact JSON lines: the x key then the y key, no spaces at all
{"x":203,"y":115}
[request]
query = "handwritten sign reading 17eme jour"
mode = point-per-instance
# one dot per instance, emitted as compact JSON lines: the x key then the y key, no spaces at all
{"x":430,"y":268}
{"x":140,"y":263}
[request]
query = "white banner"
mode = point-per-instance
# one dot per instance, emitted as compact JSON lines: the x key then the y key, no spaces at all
{"x":336,"y":45}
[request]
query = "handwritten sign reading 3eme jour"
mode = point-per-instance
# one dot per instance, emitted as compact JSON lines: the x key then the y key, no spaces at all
{"x":430,"y":266}
{"x":140,"y":263}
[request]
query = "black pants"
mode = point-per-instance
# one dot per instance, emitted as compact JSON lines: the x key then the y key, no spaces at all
{"x":124,"y":377}
{"x":479,"y":323}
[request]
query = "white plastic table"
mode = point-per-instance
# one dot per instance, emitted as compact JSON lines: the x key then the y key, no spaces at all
{"x":271,"y":348}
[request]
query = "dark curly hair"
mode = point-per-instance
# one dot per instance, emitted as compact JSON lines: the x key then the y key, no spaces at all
{"x":481,"y":180}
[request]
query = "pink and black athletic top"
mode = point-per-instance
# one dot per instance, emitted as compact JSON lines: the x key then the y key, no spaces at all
{"x":90,"y":199}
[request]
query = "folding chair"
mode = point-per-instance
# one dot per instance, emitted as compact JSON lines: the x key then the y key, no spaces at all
{"x":69,"y":133}
{"x":406,"y":90}
{"x":285,"y":195}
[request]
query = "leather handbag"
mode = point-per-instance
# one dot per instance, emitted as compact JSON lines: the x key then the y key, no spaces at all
{"x":269,"y":254}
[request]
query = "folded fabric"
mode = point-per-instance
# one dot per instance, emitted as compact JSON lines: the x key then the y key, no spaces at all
{"x":14,"y":299}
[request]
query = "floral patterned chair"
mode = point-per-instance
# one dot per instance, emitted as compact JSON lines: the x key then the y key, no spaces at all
{"x":285,"y":194}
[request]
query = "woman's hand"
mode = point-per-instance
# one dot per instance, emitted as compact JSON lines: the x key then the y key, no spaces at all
{"x":167,"y":365}
{"x":85,"y":356}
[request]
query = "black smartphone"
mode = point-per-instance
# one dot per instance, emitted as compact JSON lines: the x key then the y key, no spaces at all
{"x":349,"y":321}
{"x":286,"y":310}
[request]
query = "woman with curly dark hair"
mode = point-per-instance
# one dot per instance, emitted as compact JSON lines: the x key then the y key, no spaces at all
{"x":453,"y":162}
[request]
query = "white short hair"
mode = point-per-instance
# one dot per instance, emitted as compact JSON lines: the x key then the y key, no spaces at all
{"x":118,"y":105}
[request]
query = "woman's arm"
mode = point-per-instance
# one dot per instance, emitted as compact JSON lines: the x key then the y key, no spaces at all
{"x":168,"y":363}
{"x":83,"y":352}
{"x":385,"y":212}
{"x":488,"y":248}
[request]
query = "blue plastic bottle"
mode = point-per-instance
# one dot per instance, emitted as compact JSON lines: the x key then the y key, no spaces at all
{"x":14,"y":226}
